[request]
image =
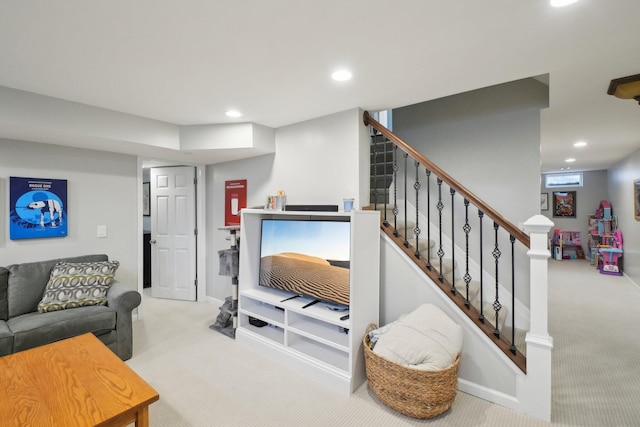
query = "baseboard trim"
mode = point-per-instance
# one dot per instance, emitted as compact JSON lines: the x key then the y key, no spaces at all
{"x":490,"y":395}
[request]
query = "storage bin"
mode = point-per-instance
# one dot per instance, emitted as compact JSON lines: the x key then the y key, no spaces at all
{"x":413,"y":392}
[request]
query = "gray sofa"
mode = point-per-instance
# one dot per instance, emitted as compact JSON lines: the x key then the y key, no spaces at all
{"x":23,"y":327}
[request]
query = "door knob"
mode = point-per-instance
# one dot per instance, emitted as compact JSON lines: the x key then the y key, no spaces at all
{"x":153,"y":241}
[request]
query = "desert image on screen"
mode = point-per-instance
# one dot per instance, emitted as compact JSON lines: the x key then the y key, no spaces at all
{"x":306,"y":275}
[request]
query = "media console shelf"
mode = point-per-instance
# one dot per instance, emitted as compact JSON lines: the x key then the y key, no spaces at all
{"x":311,"y":338}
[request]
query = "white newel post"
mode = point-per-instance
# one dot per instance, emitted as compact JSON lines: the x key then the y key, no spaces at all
{"x":534,"y":388}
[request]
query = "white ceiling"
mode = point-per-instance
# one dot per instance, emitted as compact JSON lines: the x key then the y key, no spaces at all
{"x":188,"y":61}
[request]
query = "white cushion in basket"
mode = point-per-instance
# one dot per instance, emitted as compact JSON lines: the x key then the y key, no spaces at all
{"x":423,"y":339}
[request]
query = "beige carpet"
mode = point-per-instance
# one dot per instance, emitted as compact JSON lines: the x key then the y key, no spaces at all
{"x":595,"y":324}
{"x":207,"y":379}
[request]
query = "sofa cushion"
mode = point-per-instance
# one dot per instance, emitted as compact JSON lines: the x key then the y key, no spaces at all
{"x":27,"y":282}
{"x":35,"y":329}
{"x":6,"y":339}
{"x":4,"y":284}
{"x":78,"y":284}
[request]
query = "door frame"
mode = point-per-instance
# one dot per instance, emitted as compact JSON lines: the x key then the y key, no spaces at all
{"x":201,"y":241}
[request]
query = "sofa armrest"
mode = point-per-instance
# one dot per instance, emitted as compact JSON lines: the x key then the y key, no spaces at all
{"x":123,"y":300}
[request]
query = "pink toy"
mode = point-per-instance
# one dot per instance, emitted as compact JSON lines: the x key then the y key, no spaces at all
{"x":611,"y":256}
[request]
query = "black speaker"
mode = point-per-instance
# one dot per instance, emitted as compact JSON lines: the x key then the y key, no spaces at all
{"x":312,"y":208}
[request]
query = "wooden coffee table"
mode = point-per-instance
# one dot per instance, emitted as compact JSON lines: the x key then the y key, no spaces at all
{"x":74,"y":382}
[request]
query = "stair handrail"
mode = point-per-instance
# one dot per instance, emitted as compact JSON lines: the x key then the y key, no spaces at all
{"x":517,"y":233}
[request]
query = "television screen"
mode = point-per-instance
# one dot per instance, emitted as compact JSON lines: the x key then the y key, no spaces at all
{"x":306,"y":257}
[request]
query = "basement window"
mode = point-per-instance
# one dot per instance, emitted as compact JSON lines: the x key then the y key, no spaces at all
{"x":563,"y":180}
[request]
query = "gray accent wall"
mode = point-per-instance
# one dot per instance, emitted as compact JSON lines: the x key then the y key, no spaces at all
{"x":489,"y":141}
{"x":102,"y":190}
{"x":616,"y":186}
{"x":620,"y":184}
{"x":588,"y":197}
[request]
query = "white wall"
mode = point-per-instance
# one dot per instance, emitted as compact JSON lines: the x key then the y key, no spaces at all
{"x":72,"y":123}
{"x":315,"y":162}
{"x":621,"y":178}
{"x":102,"y":190}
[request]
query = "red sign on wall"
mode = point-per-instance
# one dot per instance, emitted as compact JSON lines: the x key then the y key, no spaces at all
{"x":235,"y":198}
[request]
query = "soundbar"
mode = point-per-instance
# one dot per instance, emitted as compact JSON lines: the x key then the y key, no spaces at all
{"x":312,"y":208}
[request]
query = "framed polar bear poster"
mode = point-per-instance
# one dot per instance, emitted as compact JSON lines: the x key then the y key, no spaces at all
{"x":37,"y":208}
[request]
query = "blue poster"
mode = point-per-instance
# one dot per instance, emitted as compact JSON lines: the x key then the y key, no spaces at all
{"x":38,"y":208}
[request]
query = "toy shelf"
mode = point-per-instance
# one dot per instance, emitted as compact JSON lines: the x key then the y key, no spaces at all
{"x":605,"y":241}
{"x":567,"y":245}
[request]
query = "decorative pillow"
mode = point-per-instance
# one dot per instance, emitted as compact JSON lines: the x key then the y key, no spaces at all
{"x":78,"y":284}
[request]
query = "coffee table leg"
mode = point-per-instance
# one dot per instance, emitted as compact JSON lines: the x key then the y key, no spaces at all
{"x":142,"y":417}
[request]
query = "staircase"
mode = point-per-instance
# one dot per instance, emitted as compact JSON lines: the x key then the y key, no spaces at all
{"x":470,"y":255}
{"x":449,"y":266}
{"x":389,"y":158}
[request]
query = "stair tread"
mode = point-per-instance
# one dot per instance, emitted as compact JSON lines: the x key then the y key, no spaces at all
{"x":490,"y":315}
{"x":422,"y":243}
{"x":474,"y":287}
{"x":474,"y":291}
{"x":519,"y":338}
{"x":447,"y":266}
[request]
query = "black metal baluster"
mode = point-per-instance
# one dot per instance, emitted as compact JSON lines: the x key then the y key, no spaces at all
{"x":481,"y":318}
{"x":496,"y":255}
{"x":440,"y":206}
{"x":406,"y":222}
{"x":386,"y":186}
{"x":513,"y":296}
{"x":416,"y":230}
{"x":467,"y":229}
{"x":428,"y":172}
{"x":395,"y":190}
{"x":453,"y":242}
{"x":375,"y":169}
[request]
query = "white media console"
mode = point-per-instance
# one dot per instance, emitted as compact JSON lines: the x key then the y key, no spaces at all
{"x":312,"y":340}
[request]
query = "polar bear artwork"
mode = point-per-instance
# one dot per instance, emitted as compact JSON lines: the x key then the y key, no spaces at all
{"x":52,"y":206}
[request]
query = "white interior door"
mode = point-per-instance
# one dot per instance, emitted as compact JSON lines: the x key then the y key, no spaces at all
{"x":173,"y":233}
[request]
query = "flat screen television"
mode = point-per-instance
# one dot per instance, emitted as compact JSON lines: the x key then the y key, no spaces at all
{"x":307,"y":258}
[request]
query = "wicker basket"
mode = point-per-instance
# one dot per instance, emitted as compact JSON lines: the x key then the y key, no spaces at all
{"x":413,"y":392}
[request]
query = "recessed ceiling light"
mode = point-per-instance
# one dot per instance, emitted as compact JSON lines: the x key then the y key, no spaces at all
{"x":233,"y":113}
{"x":341,"y":75}
{"x":562,"y":3}
{"x":570,"y":160}
{"x":580,"y":144}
